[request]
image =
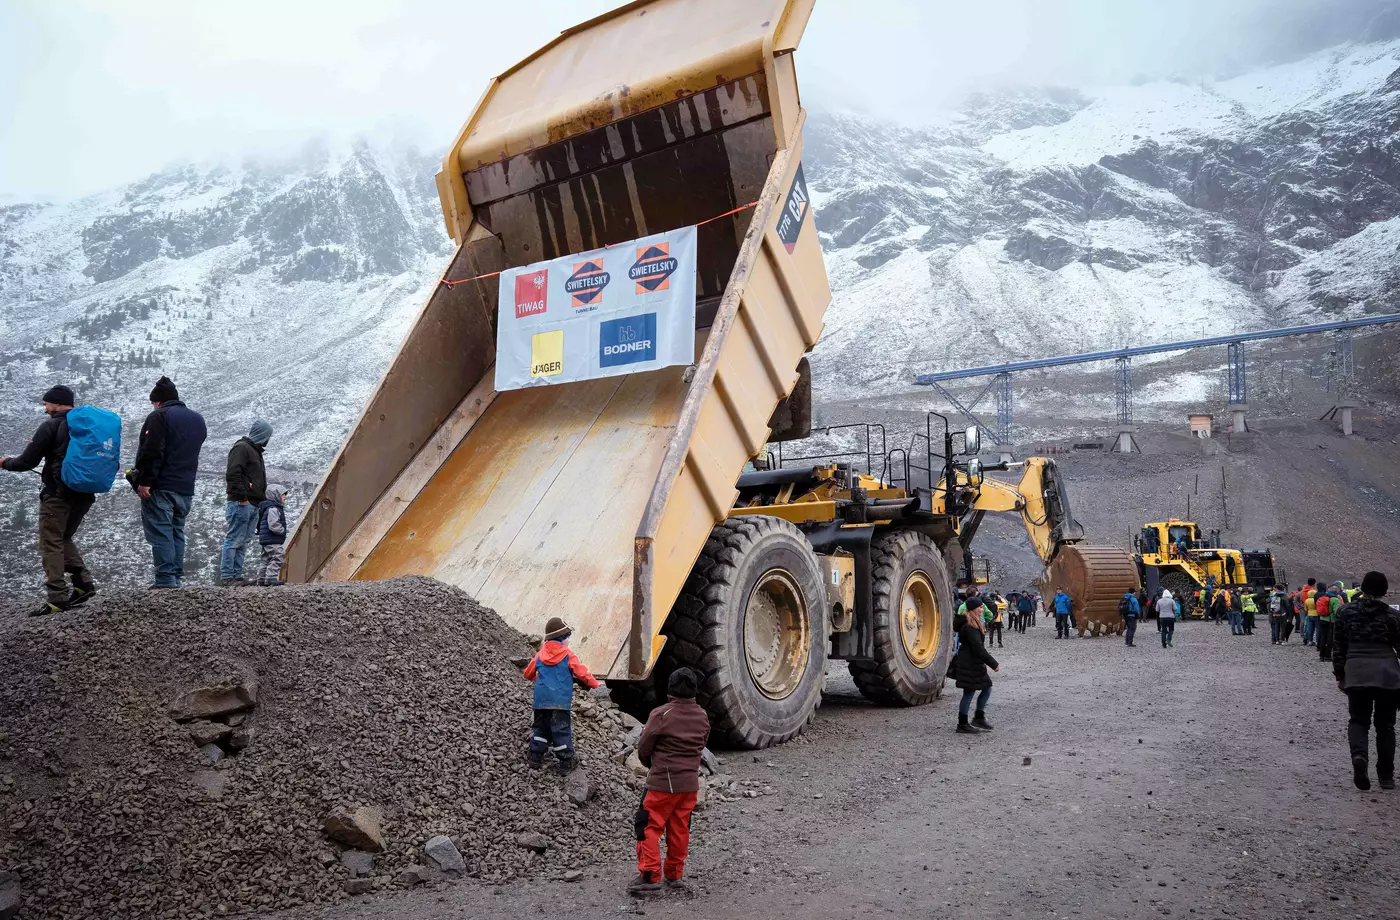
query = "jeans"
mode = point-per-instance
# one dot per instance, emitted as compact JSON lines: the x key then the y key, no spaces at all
{"x":59,"y":520}
{"x":553,"y":731}
{"x":163,"y":521}
{"x":1061,"y":626}
{"x":1167,"y":627}
{"x":1360,"y":702}
{"x":982,"y":697}
{"x":1309,"y":630}
{"x":242,"y":523}
{"x":1130,"y":630}
{"x":1236,"y":623}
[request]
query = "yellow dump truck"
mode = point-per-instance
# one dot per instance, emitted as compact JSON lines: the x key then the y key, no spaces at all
{"x":623,"y":504}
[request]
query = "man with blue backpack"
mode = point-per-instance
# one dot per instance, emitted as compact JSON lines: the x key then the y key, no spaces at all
{"x":80,"y":450}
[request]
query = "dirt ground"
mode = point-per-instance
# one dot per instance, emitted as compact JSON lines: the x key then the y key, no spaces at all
{"x":1208,"y":780}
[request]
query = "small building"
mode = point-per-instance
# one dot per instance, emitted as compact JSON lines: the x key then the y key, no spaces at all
{"x":1201,"y":425}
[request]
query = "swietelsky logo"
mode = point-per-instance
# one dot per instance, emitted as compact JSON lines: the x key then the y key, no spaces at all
{"x":653,"y":269}
{"x":585,"y":285}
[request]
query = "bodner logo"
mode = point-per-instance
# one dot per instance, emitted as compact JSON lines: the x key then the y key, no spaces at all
{"x":628,"y":340}
{"x":585,"y":285}
{"x":653,"y":269}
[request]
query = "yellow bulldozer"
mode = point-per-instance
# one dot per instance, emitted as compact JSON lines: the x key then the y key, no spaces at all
{"x":621,"y":503}
{"x":1192,"y":564}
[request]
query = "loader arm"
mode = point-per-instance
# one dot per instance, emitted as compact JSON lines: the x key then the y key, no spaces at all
{"x":1040,"y":499}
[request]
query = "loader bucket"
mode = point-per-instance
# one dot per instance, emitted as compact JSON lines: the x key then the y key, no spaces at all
{"x":592,"y":500}
{"x":1094,"y":577}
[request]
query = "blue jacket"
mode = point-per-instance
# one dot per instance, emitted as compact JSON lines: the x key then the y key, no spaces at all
{"x":1134,"y":608}
{"x":1062,"y":604}
{"x":553,"y":670}
{"x":167,"y":457}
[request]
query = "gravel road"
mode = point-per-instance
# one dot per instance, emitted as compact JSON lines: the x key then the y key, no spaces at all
{"x":1208,"y":780}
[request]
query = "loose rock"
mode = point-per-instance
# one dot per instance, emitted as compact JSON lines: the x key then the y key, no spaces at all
{"x":207,"y":732}
{"x":358,"y":862}
{"x":533,"y":841}
{"x":413,"y":875}
{"x":221,"y":700}
{"x":359,"y":886}
{"x":443,"y":854}
{"x":358,"y":828}
{"x":577,"y":786}
{"x":9,"y":895}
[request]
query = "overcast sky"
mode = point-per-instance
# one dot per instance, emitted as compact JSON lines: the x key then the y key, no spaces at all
{"x":99,"y":92}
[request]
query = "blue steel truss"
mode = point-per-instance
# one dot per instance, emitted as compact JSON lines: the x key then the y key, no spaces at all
{"x":1087,"y":357}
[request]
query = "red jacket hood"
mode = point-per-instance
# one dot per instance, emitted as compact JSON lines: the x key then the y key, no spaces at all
{"x":553,"y":652}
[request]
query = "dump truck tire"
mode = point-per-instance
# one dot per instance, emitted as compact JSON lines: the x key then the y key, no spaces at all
{"x":912,"y":611}
{"x":750,"y":621}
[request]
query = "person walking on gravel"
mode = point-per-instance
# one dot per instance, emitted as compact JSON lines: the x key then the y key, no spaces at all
{"x":1166,"y":618}
{"x":1064,"y":608}
{"x":1364,"y":660}
{"x":1128,"y":610}
{"x":167,"y":463}
{"x":1248,"y":608}
{"x":970,"y":671}
{"x":670,"y":747}
{"x":61,"y":509}
{"x":1329,"y":604}
{"x":1278,"y":613}
{"x":1026,"y":604}
{"x":245,"y":482}
{"x":554,"y":670}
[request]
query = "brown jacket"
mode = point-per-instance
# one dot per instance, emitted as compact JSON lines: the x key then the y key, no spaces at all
{"x":671,"y":743}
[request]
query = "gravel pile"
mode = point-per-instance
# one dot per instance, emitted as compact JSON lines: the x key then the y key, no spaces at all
{"x":394,"y":700}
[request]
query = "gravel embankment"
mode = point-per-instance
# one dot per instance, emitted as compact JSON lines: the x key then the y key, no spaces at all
{"x":397,"y":695}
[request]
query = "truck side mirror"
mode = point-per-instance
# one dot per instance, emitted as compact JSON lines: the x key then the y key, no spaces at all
{"x":974,"y":472}
{"x":972,"y":440}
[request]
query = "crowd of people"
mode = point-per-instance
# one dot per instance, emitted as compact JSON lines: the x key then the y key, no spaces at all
{"x":163,"y":474}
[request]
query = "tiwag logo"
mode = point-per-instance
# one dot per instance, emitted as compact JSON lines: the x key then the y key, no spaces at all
{"x":585,"y":285}
{"x":653,"y":269}
{"x":628,"y":340}
{"x":531,"y":293}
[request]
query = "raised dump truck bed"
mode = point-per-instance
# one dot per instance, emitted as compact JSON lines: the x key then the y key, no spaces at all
{"x":593,"y":500}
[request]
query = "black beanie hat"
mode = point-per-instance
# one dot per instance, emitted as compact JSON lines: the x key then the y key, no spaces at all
{"x":682,"y":683}
{"x":164,"y":391}
{"x":1375,"y":584}
{"x":974,"y":602}
{"x":60,"y":396}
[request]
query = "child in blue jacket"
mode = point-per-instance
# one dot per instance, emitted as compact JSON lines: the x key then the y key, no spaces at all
{"x":554,"y":671}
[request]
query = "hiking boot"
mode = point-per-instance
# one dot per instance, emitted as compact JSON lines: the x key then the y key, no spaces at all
{"x":232,"y":582}
{"x":1358,"y":773}
{"x":679,"y":886}
{"x":643,"y":885}
{"x":964,"y":728}
{"x":1387,"y":782}
{"x":49,"y":607}
{"x":82,"y":593}
{"x":980,"y":721}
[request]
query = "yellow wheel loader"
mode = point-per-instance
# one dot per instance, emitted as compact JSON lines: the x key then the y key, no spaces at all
{"x":1192,"y":564}
{"x":618,"y":503}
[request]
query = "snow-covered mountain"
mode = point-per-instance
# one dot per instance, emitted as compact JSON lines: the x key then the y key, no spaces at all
{"x":1047,"y":222}
{"x":1030,"y":222}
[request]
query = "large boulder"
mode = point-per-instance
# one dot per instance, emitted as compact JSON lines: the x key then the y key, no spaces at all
{"x":357,"y":828}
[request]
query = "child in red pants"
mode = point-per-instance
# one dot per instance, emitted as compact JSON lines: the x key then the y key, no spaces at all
{"x":671,"y":745}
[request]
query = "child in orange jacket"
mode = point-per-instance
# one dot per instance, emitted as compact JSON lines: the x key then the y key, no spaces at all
{"x":554,"y":670}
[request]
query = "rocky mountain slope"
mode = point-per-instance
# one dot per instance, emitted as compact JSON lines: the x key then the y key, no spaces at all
{"x":1030,"y":222}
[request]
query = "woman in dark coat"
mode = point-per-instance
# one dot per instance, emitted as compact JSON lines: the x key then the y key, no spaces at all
{"x":970,"y":669}
{"x":1366,"y":662}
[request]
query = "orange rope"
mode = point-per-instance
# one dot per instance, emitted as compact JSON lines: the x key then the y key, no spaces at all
{"x":742,"y":207}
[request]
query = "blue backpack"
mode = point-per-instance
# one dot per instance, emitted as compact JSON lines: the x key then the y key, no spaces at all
{"x":94,"y":449}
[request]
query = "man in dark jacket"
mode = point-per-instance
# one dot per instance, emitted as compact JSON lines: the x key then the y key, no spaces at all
{"x":671,"y":745}
{"x":167,"y":462}
{"x":246,"y":484}
{"x":61,"y":510}
{"x":1366,"y":662}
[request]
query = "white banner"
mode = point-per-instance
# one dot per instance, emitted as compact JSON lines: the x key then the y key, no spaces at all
{"x":620,"y":310}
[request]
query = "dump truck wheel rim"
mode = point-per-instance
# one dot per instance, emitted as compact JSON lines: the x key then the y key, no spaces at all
{"x":776,"y":634}
{"x":919,"y":626}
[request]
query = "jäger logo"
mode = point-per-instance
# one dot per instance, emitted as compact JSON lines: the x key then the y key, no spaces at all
{"x":653,"y":269}
{"x":585,"y":285}
{"x":530,"y":293}
{"x":547,"y":353}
